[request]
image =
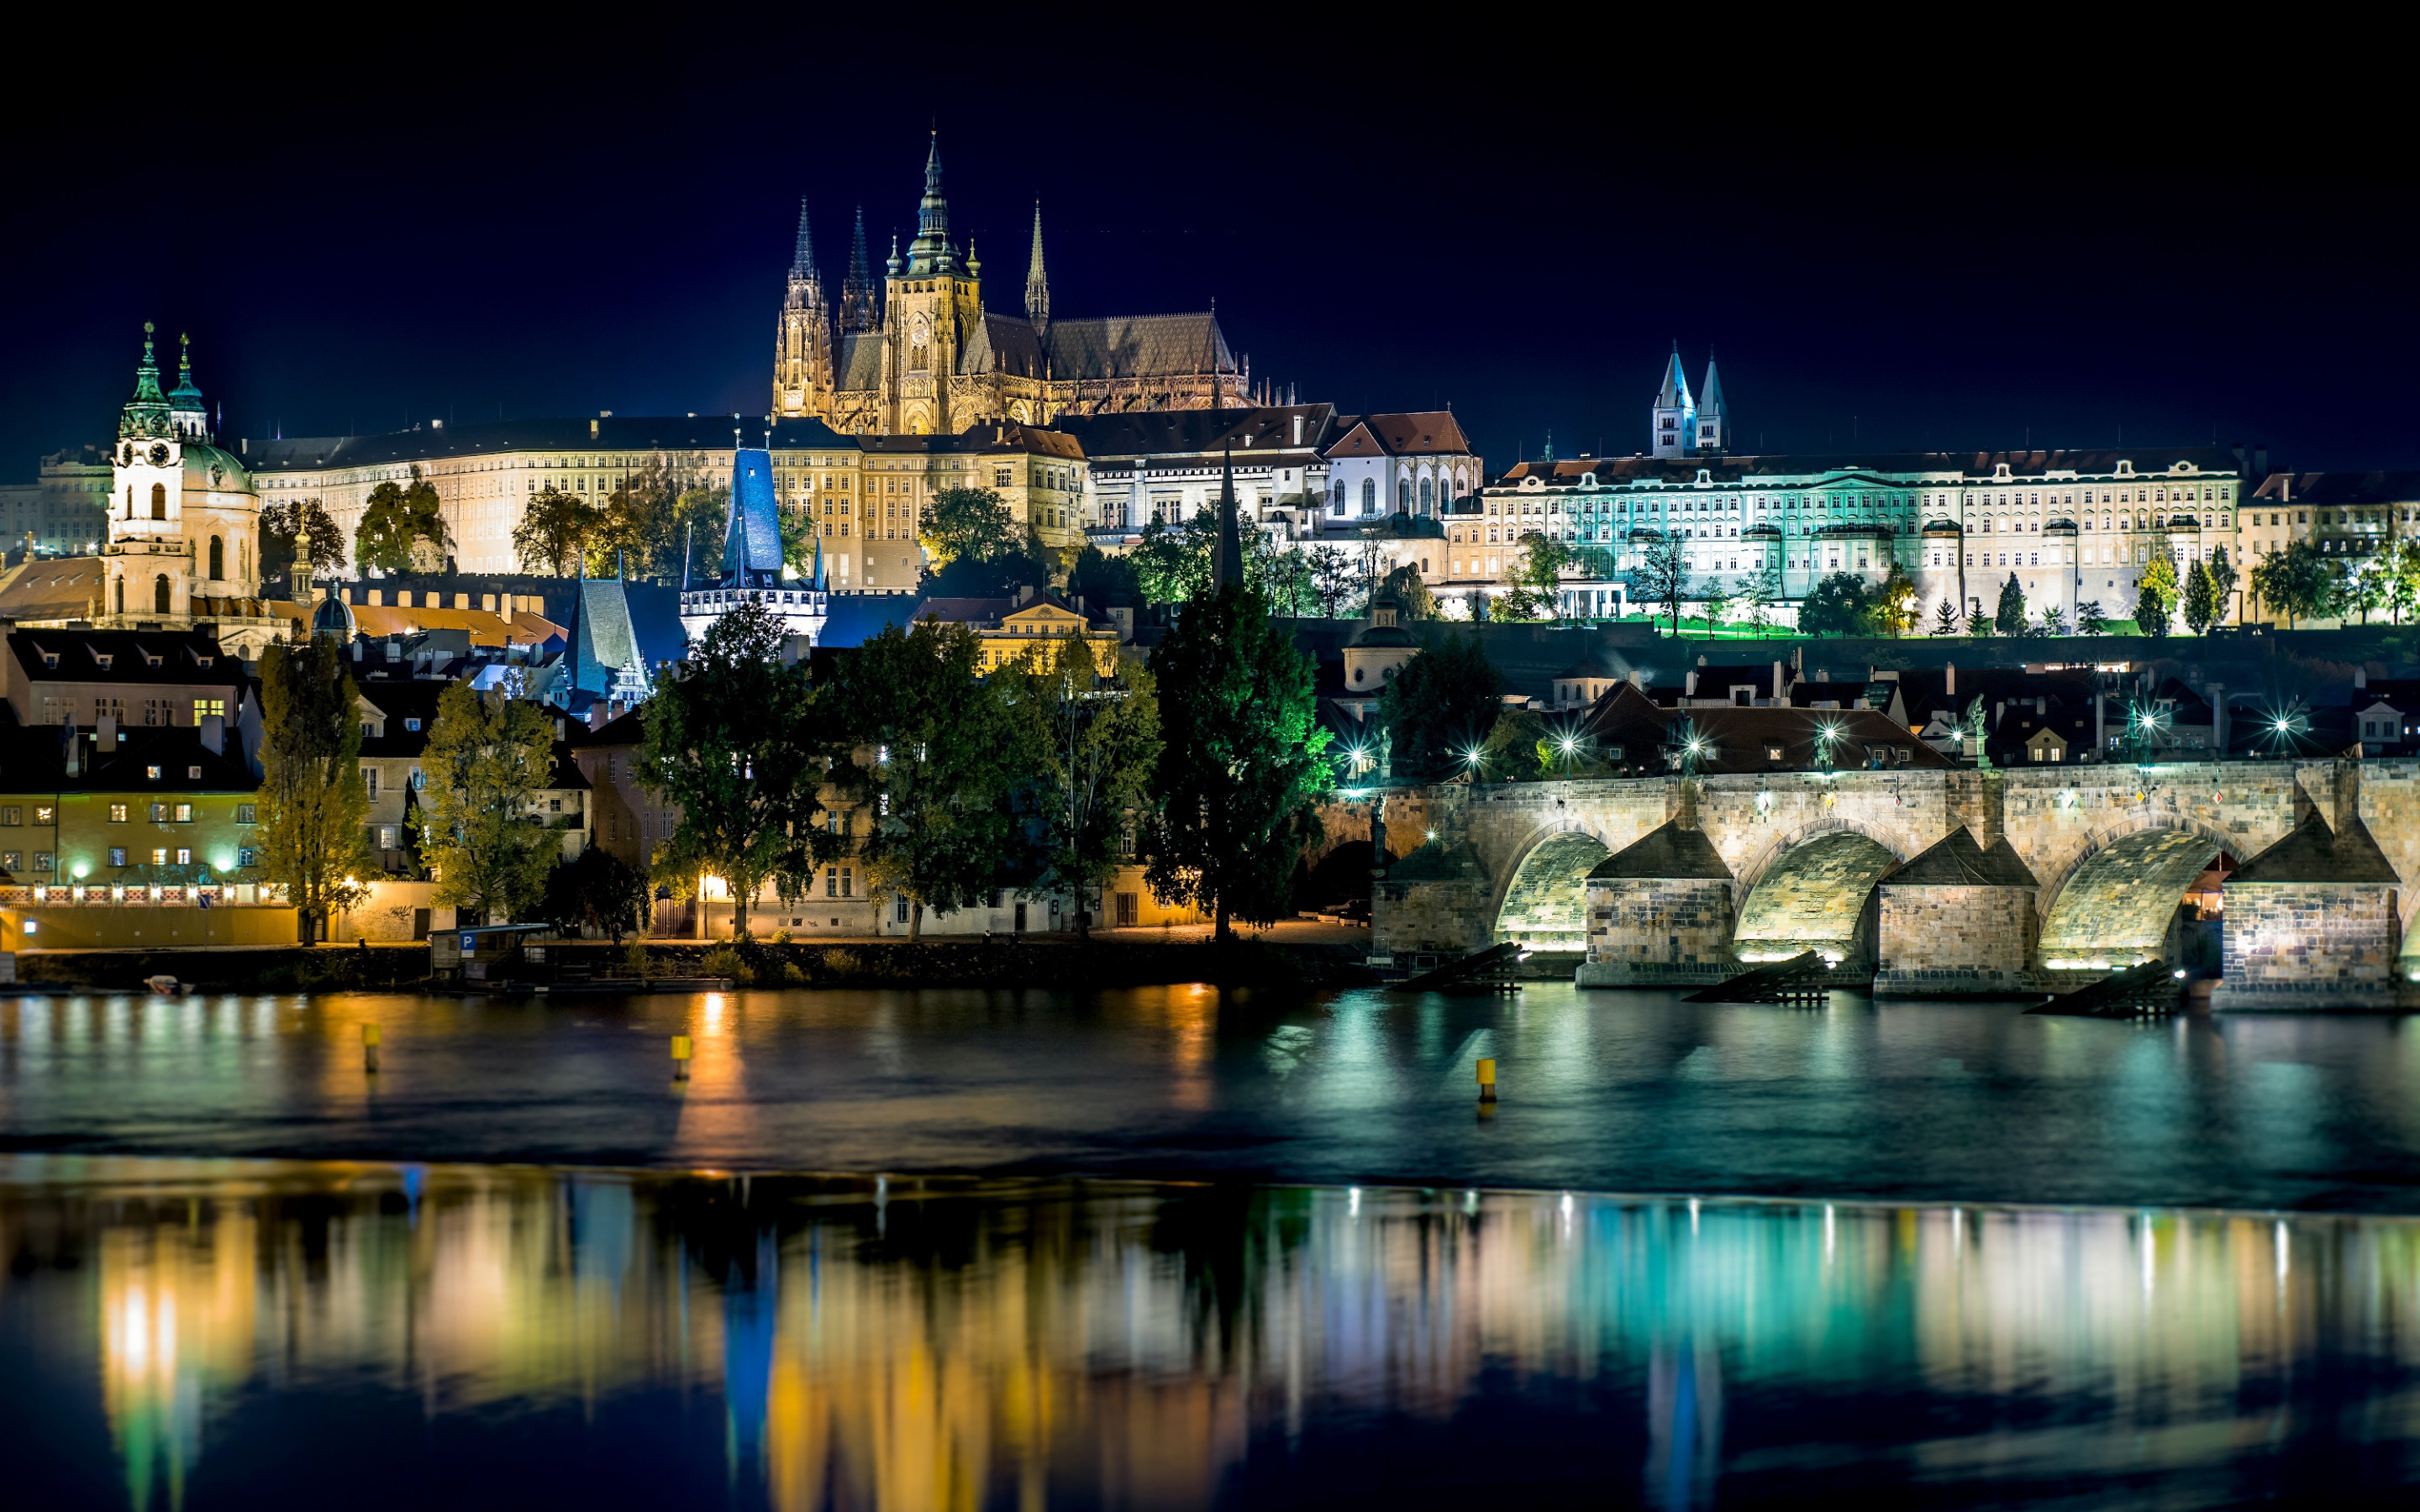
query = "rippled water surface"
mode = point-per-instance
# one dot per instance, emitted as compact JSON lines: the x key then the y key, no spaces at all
{"x":1629,"y":1092}
{"x":249,"y":1333}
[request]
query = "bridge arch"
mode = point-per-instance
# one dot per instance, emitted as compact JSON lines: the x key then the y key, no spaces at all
{"x":1543,"y":905}
{"x":2116,"y":903}
{"x":1814,"y":890}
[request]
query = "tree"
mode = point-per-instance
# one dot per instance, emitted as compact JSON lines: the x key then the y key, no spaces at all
{"x":597,"y":891}
{"x":693,"y":535}
{"x":1440,"y":705}
{"x":1243,"y":766}
{"x":2366,"y":587}
{"x":1536,"y":577}
{"x":1661,"y":577}
{"x":1763,"y":593}
{"x":1945,"y":618}
{"x":1173,"y":562}
{"x":2299,"y":580}
{"x":637,"y":535}
{"x":1893,"y":608}
{"x":2403,"y":593}
{"x":1283,"y":576}
{"x":301,"y":530}
{"x":554,"y":533}
{"x":1334,"y":580}
{"x":2089,"y":621}
{"x":1098,"y":745}
{"x":2053,"y":620}
{"x":2155,"y":596}
{"x":313,"y":799}
{"x":1411,"y":593}
{"x":943,"y":752}
{"x":489,"y":756}
{"x":2009,"y":619}
{"x":2222,"y":580}
{"x":402,"y":529}
{"x":1718,"y":601}
{"x":1836,"y":605}
{"x":730,"y":739}
{"x":967,"y":522}
{"x":2200,"y":600}
{"x":1102,"y":580}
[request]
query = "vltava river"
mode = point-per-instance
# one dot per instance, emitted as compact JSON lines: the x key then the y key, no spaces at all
{"x":237,"y":1334}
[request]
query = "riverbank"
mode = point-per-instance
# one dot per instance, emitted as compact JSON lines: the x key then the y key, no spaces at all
{"x":1106,"y":961}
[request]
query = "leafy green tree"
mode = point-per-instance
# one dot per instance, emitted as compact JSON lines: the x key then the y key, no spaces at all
{"x":1283,"y":576}
{"x":1662,"y":575}
{"x":598,"y":890}
{"x":1243,"y":766}
{"x":1173,"y":562}
{"x":555,"y":530}
{"x":314,"y":801}
{"x":731,"y":740}
{"x":2089,"y":620}
{"x":402,"y":529}
{"x":1098,"y":744}
{"x":1440,"y":705}
{"x":1945,"y":618}
{"x":1335,"y":581}
{"x":1102,"y":580}
{"x":694,"y":532}
{"x":2403,"y":591}
{"x":2200,"y":600}
{"x":488,"y":757}
{"x":931,"y":752}
{"x":1536,"y":578}
{"x":2155,"y":596}
{"x":300,"y":531}
{"x":974,"y":523}
{"x":2222,"y":582}
{"x":2009,"y":619}
{"x":1718,"y":601}
{"x":1837,"y":605}
{"x":1892,"y":609}
{"x":2296,"y":581}
{"x":1763,"y":592}
{"x":637,"y":535}
{"x":1411,"y":593}
{"x":2366,"y":587}
{"x":2053,"y":621}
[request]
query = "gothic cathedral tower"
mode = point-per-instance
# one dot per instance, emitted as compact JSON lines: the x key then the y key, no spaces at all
{"x":1674,"y":421}
{"x":802,"y":358}
{"x":932,"y":299}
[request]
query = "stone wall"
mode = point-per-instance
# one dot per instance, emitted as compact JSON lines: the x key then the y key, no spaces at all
{"x":1658,"y":932}
{"x":1947,"y":941}
{"x":2310,"y":945}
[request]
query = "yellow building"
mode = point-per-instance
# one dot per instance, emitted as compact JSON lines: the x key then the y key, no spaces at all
{"x":1043,"y":627}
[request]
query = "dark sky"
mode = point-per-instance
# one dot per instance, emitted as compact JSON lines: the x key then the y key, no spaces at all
{"x":1946,"y":242}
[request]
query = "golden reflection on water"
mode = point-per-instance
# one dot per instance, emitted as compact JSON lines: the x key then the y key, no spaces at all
{"x":947,"y":1345}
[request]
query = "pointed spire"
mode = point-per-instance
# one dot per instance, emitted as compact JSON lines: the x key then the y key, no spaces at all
{"x":1037,"y":283}
{"x":147,"y":413}
{"x":1227,"y":566}
{"x":1675,"y":392}
{"x":931,"y":252}
{"x":1710,"y":398}
{"x":857,"y":302}
{"x":802,"y":261}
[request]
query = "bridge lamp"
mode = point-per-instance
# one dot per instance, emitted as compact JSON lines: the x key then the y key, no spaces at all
{"x":1569,"y":744}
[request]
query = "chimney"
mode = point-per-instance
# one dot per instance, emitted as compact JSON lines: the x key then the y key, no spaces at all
{"x":596,"y":715}
{"x":1949,"y":678}
{"x":2041,"y":705}
{"x":1297,"y":430}
{"x":1689,"y":683}
{"x":2260,"y":461}
{"x":1776,"y":680}
{"x":214,"y":733}
{"x":592,"y":430}
{"x":75,"y":749}
{"x":2361,"y":677}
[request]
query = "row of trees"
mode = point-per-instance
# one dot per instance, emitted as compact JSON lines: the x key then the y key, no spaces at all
{"x":2303,"y":582}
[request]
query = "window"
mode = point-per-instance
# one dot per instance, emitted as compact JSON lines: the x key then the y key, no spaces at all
{"x":243,"y":813}
{"x":184,"y":814}
{"x":41,"y":861}
{"x":1000,"y":478}
{"x":159,"y":814}
{"x":194,"y":774}
{"x":159,"y":857}
{"x":899,"y":908}
{"x":413,"y":725}
{"x":246,"y":856}
{"x":390,"y":836}
{"x":117,"y":813}
{"x":45,"y":814}
{"x":204,"y":708}
{"x":12,"y":860}
{"x":117,"y":856}
{"x":14,"y":814}
{"x":184,"y":858}
{"x":369,"y":780}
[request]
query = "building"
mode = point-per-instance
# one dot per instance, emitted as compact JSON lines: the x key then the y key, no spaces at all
{"x":751,"y":567}
{"x":65,"y":512}
{"x":1167,"y":466}
{"x":1039,"y":627}
{"x":1680,"y":424}
{"x":920,"y":353}
{"x":1415,"y":464}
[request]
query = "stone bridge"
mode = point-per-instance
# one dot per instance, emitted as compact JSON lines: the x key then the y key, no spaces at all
{"x":1931,"y":882}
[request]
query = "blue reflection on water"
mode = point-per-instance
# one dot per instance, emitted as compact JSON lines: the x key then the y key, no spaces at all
{"x":203,"y":1334}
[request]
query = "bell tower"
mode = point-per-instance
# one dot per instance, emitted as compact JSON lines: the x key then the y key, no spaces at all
{"x":802,"y":355}
{"x":931,"y":300}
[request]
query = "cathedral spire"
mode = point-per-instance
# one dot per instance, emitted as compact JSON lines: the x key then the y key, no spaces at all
{"x":147,"y":413}
{"x":802,"y":261}
{"x":931,"y":252}
{"x":857,"y":303}
{"x":1037,"y":285}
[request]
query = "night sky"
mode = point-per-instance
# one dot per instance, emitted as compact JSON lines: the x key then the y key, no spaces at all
{"x":2053,"y":238}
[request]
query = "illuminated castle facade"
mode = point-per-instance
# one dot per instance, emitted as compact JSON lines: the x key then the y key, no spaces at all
{"x":919,"y":353}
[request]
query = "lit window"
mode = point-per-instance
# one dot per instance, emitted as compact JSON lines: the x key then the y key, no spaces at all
{"x":151,"y":772}
{"x":117,"y":856}
{"x":159,"y":857}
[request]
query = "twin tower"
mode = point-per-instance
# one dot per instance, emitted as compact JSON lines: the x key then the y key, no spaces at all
{"x":1685,"y":427}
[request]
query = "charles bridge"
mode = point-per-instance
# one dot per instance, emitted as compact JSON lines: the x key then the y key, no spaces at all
{"x":1929,"y":882}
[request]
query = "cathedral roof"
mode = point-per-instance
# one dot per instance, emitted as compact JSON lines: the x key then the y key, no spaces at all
{"x":1139,"y":345}
{"x":861,"y":360}
{"x":1003,"y":343}
{"x":1419,"y":433}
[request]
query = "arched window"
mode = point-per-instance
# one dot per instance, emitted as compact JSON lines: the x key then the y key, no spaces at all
{"x":1336,"y":495}
{"x":1368,"y":496}
{"x":218,"y":559}
{"x":1428,"y":495}
{"x":1404,"y":495}
{"x":159,"y":595}
{"x":159,"y":501}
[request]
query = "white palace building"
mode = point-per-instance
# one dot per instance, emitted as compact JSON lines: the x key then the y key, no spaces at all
{"x":2073,"y":526}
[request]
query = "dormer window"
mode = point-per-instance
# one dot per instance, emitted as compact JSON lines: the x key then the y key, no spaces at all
{"x":152,"y":773}
{"x":194,"y":774}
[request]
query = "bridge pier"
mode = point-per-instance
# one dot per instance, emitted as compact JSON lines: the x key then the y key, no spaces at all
{"x":1959,"y":920}
{"x":1660,"y":914}
{"x":2313,"y":923}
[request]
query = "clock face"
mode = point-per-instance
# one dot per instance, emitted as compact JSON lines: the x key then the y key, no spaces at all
{"x":159,"y":453}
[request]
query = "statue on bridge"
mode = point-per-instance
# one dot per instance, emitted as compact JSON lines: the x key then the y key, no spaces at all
{"x":1974,"y":726}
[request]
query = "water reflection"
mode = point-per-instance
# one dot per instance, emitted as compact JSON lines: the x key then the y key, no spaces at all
{"x":806,"y":1343}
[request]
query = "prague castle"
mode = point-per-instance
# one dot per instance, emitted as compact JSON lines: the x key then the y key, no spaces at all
{"x":920,"y":354}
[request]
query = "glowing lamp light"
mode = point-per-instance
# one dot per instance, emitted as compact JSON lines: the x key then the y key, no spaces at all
{"x":1570,"y":745}
{"x":82,"y":871}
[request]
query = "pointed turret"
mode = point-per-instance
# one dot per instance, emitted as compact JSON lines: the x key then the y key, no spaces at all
{"x":1227,"y":566}
{"x":802,"y":261}
{"x":857,"y":304}
{"x":802,"y":365}
{"x":1673,"y":426}
{"x":1713,"y":418}
{"x":188,"y":416}
{"x":931,"y":252}
{"x":1037,"y":285}
{"x":147,"y":413}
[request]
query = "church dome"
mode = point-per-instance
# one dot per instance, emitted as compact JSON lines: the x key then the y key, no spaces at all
{"x":333,"y":617}
{"x":207,"y":470}
{"x":1391,"y":636}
